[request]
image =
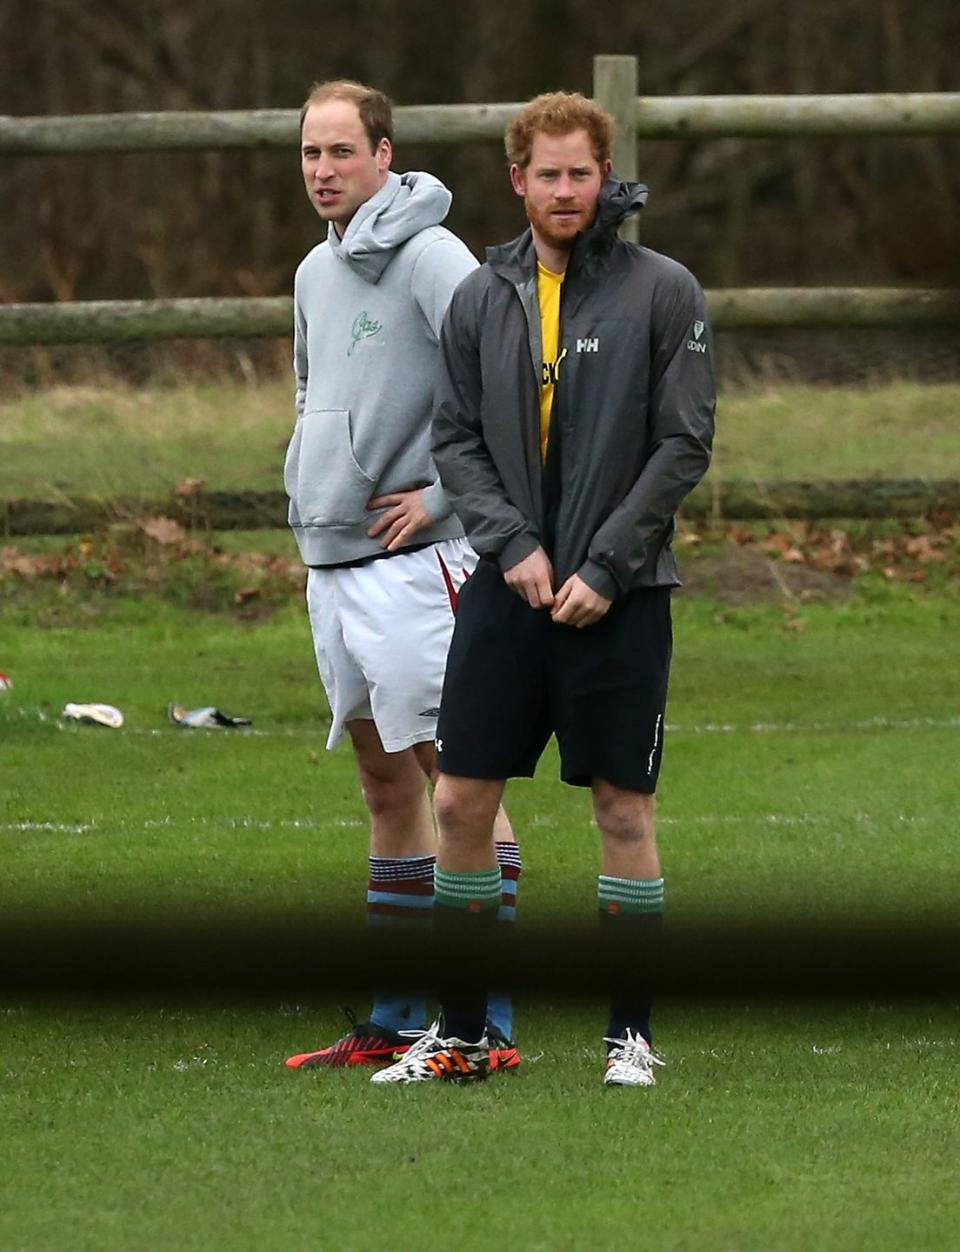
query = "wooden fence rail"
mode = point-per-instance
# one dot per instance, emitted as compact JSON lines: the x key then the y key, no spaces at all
{"x":615,"y":86}
{"x":716,"y":500}
{"x":735,"y":308}
{"x":654,"y":118}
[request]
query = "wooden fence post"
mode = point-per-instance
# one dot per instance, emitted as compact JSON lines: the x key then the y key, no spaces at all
{"x":615,"y":87}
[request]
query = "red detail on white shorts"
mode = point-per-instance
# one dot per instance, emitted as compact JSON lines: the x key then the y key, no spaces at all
{"x":451,"y":589}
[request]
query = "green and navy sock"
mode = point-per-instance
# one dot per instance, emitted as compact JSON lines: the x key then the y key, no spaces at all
{"x":500,"y":1003}
{"x":636,"y":903}
{"x":462,"y":902}
{"x":400,"y":891}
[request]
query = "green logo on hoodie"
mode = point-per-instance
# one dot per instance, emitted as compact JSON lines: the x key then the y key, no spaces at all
{"x":363,"y":328}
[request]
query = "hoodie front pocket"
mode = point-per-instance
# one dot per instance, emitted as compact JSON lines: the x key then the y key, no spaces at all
{"x":331,"y":488}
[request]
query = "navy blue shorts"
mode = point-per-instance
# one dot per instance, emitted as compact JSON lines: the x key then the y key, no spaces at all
{"x":514,"y":677}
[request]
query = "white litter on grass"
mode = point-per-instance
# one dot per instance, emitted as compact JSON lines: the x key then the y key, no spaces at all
{"x":94,"y":714}
{"x":206,"y":718}
{"x":831,"y":1051}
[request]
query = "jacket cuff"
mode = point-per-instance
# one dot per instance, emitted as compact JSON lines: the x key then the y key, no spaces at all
{"x":599,"y":579}
{"x":437,"y":502}
{"x":517,"y":549}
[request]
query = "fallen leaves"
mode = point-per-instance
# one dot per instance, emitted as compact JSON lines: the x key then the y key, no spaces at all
{"x":189,"y":487}
{"x":159,"y":555}
{"x":165,"y":530}
{"x":901,"y":555}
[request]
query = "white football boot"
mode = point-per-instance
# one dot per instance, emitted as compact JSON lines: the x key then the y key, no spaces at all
{"x":431,"y":1058}
{"x":630,"y":1062}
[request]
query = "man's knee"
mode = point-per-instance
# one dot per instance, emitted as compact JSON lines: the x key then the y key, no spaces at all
{"x":391,"y":784}
{"x":466,"y":808}
{"x":623,"y":817}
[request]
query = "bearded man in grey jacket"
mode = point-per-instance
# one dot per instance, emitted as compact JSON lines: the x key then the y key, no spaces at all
{"x":385,"y":551}
{"x":574,"y":412}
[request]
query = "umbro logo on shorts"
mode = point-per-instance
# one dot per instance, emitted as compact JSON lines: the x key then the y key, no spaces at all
{"x":429,"y":713}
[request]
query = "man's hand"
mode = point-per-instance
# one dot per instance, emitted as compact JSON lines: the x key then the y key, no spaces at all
{"x":405,"y":515}
{"x":576,"y":604}
{"x":532,"y":579}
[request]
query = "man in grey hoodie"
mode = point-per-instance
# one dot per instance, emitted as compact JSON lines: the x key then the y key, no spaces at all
{"x":385,"y":552}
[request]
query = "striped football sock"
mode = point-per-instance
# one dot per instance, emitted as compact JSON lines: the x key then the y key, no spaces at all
{"x":464,"y":901}
{"x":617,"y":896}
{"x":500,"y":1003}
{"x":400,"y":891}
{"x":635,"y":904}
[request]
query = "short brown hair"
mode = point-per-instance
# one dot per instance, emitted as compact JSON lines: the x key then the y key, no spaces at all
{"x":375,"y":109}
{"x":558,"y":113}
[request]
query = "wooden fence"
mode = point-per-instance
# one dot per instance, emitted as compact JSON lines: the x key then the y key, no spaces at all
{"x":616,"y":87}
{"x":120,"y":321}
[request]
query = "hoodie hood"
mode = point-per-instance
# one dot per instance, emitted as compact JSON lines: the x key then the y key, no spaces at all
{"x":404,"y":205}
{"x":617,"y":201}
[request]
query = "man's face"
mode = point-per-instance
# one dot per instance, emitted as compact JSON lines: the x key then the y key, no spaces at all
{"x":340,"y":171}
{"x":560,"y":186}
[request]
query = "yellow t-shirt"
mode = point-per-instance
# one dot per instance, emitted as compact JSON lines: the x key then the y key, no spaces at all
{"x":549,"y":286}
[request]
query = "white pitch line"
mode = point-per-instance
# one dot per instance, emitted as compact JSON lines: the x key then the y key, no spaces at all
{"x":178,"y":823}
{"x":310,"y":824}
{"x":679,"y":728}
{"x":778,"y":728}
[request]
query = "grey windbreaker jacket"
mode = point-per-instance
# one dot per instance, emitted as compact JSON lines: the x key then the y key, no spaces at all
{"x":633,"y":410}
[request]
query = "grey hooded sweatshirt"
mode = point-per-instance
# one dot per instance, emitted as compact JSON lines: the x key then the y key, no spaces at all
{"x":367,"y":315}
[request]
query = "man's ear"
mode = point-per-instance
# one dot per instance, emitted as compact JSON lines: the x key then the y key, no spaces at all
{"x":518,"y":180}
{"x":384,"y":154}
{"x":607,"y":167}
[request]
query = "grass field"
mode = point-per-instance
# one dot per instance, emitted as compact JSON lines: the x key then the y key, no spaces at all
{"x":109,"y":440}
{"x":808,"y":769}
{"x":810,"y":772}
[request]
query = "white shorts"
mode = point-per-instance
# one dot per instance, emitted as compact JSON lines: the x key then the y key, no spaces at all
{"x":381,"y":632}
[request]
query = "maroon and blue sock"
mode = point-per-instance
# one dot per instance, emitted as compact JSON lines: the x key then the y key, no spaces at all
{"x":500,"y":1003}
{"x":400,"y":891}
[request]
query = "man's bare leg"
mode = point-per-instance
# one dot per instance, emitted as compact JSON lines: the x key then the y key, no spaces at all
{"x":467,"y":811}
{"x":426,"y":754}
{"x":627,"y":832}
{"x":403,"y":845}
{"x":394,"y":786}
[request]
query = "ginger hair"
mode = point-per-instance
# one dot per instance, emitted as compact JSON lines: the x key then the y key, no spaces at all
{"x":559,"y":113}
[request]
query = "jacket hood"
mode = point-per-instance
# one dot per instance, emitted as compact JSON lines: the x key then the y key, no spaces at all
{"x":404,"y":205}
{"x":617,"y":201}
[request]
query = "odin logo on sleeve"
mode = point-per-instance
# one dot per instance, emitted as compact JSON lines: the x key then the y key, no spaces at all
{"x":695,"y":344}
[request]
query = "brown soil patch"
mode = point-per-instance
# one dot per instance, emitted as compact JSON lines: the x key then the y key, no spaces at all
{"x":747,"y":576}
